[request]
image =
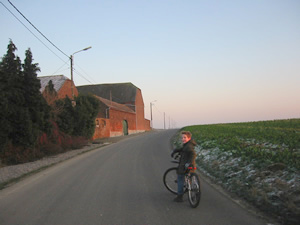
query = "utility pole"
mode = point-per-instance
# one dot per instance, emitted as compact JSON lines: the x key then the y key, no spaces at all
{"x":151,"y":103}
{"x":72,"y":83}
{"x":151,"y":114}
{"x":164,"y":120}
{"x":71,"y":62}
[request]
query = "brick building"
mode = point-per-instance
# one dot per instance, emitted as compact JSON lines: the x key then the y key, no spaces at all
{"x":114,"y":119}
{"x":121,"y":109}
{"x":62,"y":85}
{"x":121,"y":105}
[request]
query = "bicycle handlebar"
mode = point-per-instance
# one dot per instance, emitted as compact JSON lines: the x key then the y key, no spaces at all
{"x":191,"y":168}
{"x":177,"y":155}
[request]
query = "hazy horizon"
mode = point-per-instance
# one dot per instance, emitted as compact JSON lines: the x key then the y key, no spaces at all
{"x":205,"y":62}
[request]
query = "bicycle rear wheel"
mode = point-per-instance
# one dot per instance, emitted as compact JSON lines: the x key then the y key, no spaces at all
{"x":194,"y":192}
{"x":170,"y":180}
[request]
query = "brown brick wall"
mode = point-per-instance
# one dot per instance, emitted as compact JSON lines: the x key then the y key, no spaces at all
{"x":66,"y":90}
{"x":116,"y":119}
{"x":114,"y":122}
{"x":139,"y":106}
{"x":102,"y":129}
{"x":147,"y":125}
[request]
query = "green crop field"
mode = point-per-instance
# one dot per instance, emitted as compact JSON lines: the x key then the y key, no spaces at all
{"x":266,"y":142}
{"x":257,"y":161}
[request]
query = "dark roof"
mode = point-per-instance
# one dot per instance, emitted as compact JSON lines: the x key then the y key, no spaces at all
{"x":57,"y":80}
{"x":123,"y":93}
{"x":114,"y":105}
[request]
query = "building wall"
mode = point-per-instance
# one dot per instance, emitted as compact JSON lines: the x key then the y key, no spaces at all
{"x":139,"y":108}
{"x":116,"y":122}
{"x":102,"y":129}
{"x":103,"y":111}
{"x":147,"y":125}
{"x":66,"y":90}
{"x":110,"y":121}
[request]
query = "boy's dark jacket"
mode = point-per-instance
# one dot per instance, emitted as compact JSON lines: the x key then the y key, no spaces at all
{"x":188,"y":155}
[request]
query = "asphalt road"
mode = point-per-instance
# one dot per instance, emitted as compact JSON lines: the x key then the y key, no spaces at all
{"x":116,"y":184}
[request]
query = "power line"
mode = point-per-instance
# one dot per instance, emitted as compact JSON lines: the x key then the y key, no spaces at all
{"x":39,"y":31}
{"x":86,"y":74}
{"x":164,"y":114}
{"x":46,"y":39}
{"x":157,"y":109}
{"x":77,"y":72}
{"x":60,"y":68}
{"x":30,"y":31}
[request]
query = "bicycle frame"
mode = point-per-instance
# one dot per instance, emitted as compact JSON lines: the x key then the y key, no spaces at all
{"x":191,"y":183}
{"x":187,"y":181}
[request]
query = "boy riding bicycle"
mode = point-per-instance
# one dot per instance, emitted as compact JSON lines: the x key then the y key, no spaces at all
{"x":188,"y":156}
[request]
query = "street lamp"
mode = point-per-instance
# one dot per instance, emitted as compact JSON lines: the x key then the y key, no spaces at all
{"x":71,"y":59}
{"x":151,"y":103}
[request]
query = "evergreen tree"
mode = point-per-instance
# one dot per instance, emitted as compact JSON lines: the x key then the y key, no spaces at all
{"x":65,"y":117}
{"x":12,"y":98}
{"x":31,"y":82}
{"x":24,"y":113}
{"x":50,"y":94}
{"x":4,"y":112}
{"x":86,"y":111}
{"x":38,"y":108}
{"x":78,"y":120}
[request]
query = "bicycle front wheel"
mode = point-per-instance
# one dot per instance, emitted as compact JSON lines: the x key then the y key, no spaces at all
{"x":194,"y":191}
{"x":170,"y":180}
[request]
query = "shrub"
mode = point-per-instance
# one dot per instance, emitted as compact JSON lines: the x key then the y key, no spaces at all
{"x":16,"y":154}
{"x":51,"y":149}
{"x":79,"y":142}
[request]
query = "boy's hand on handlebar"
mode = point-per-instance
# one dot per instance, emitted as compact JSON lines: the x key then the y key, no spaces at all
{"x":187,"y":165}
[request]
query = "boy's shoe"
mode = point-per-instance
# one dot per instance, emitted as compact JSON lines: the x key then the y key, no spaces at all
{"x":178,"y":198}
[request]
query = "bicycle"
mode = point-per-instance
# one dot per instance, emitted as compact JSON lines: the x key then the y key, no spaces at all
{"x":191,"y":183}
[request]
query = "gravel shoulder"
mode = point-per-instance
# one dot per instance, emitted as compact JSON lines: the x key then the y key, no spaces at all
{"x":11,"y":174}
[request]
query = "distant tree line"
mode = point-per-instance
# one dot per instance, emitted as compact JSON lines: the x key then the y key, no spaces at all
{"x":33,"y":125}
